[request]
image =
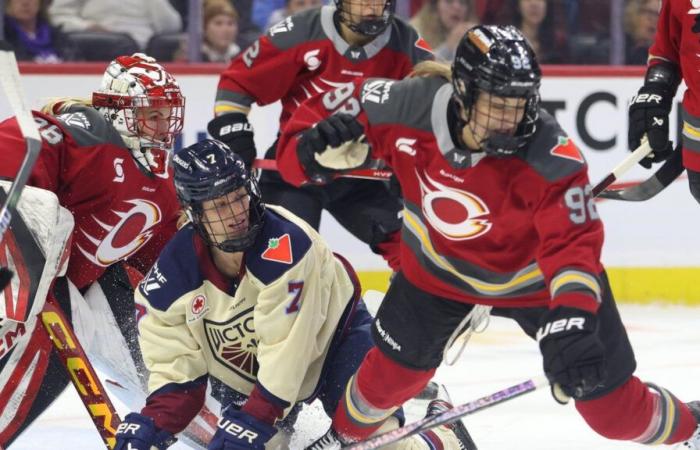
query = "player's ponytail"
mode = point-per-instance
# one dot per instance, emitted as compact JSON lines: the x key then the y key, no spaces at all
{"x":432,"y":69}
{"x":59,"y":105}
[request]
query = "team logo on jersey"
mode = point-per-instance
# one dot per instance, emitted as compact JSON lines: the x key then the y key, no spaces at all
{"x":233,"y":343}
{"x":405,"y":145}
{"x":376,"y":91}
{"x":279,"y":250}
{"x":133,"y":229}
{"x":565,"y":148}
{"x":454,"y":213}
{"x":695,"y":7}
{"x":311,"y":59}
{"x":282,"y":27}
{"x":76,"y":119}
{"x":153,"y":280}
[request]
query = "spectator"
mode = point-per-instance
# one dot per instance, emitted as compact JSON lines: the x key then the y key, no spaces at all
{"x":442,"y":23}
{"x":220,"y":31}
{"x":32,"y":38}
{"x":640,"y":27}
{"x":262,"y":10}
{"x":138,"y":18}
{"x":536,"y":20}
{"x":291,"y":7}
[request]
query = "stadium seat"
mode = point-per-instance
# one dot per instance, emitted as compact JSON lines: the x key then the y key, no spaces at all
{"x":102,"y":46}
{"x":163,"y":46}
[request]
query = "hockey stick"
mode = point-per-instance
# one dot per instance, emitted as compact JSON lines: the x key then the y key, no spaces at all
{"x":648,"y":188}
{"x":81,"y":373}
{"x":367,"y":174}
{"x":626,"y":164}
{"x":451,"y":415}
{"x":9,"y":80}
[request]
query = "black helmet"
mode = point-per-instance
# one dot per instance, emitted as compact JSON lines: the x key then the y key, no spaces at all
{"x":209,"y":170}
{"x":373,"y":26}
{"x":500,"y":61}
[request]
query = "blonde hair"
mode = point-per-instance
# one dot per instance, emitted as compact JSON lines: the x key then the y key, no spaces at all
{"x":59,"y":105}
{"x":432,"y":69}
{"x":428,"y":24}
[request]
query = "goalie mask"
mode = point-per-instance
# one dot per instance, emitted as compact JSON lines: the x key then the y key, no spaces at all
{"x":218,"y":194}
{"x":144,"y":104}
{"x":496,"y":80}
{"x":366,"y":17}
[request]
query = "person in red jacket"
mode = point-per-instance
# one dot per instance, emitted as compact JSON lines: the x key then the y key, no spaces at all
{"x":106,"y":160}
{"x":498,"y":211}
{"x":307,"y":53}
{"x":672,"y":57}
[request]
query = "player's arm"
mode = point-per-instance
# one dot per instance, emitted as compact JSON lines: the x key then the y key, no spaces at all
{"x":571,"y":237}
{"x":328,"y":134}
{"x":178,"y":374}
{"x":261,"y":74}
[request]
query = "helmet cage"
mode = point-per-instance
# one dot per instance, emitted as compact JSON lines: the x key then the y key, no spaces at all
{"x":367,"y":26}
{"x":499,"y":71}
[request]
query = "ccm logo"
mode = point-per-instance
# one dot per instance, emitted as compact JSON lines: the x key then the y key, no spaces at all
{"x":561,"y":325}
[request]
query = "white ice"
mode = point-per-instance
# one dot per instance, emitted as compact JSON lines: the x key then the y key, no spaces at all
{"x":666,"y":341}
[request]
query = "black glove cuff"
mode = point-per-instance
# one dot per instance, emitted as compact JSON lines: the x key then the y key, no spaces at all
{"x":228,"y":127}
{"x":664,"y":75}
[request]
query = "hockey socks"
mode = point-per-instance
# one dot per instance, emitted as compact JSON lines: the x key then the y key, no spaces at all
{"x":647,"y":414}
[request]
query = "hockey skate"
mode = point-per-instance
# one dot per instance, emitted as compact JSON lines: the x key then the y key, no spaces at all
{"x":440,"y":405}
{"x":694,"y":442}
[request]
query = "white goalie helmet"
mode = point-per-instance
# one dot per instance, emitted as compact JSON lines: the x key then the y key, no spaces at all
{"x":144,"y":104}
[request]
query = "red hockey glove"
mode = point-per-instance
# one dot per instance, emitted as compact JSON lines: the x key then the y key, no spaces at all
{"x":573,"y":356}
{"x":649,"y":111}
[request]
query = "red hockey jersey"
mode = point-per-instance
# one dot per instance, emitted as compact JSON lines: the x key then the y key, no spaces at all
{"x":304,"y":55}
{"x":120,"y":211}
{"x":516,"y":231}
{"x":678,"y":40}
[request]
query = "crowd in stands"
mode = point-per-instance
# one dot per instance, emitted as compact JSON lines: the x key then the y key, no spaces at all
{"x":561,"y":31}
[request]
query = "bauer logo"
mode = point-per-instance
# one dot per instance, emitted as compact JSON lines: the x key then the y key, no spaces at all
{"x":233,"y":343}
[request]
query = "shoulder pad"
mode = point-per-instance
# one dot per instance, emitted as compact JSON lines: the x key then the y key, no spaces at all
{"x":278,"y":248}
{"x":175,"y":273}
{"x":405,"y":40}
{"x":87,"y":126}
{"x":551,"y":153}
{"x":408,"y":101}
{"x":297,"y":29}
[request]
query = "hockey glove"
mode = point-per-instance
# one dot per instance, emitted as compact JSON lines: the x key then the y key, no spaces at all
{"x":649,"y":111}
{"x":238,"y":430}
{"x":331,"y":132}
{"x":234,"y":130}
{"x":138,"y":432}
{"x":573,"y":356}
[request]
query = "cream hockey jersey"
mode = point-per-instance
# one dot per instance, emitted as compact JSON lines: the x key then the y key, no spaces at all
{"x":265,"y":335}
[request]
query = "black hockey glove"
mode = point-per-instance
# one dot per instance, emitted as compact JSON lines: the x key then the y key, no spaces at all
{"x":649,"y":110}
{"x":234,"y":130}
{"x":330,"y":132}
{"x":138,"y":432}
{"x":240,"y":431}
{"x":573,"y":356}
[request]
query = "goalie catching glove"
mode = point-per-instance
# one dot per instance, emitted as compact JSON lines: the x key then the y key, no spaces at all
{"x":234,"y":130}
{"x":649,"y":111}
{"x":573,"y":355}
{"x":330,"y":147}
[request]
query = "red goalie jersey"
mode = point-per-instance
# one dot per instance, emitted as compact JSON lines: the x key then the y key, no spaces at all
{"x":512,"y":231}
{"x":121,"y":212}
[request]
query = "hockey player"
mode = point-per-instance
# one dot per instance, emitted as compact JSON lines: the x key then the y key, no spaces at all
{"x":105,"y":159}
{"x":672,"y":57}
{"x":249,"y":298}
{"x":316,"y":51}
{"x":497,"y":211}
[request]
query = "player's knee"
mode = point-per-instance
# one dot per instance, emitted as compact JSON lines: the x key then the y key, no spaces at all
{"x":694,"y":182}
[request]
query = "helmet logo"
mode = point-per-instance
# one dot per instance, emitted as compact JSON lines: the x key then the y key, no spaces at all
{"x":480,"y":40}
{"x":456,"y":214}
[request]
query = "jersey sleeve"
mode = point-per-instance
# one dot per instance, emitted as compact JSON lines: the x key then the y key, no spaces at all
{"x":175,"y":361}
{"x":344,"y":99}
{"x":262,"y":74}
{"x":667,"y":40}
{"x":571,"y":238}
{"x":46,"y":171}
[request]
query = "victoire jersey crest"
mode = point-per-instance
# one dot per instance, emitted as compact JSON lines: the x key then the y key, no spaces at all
{"x":233,"y":344}
{"x":455,"y":213}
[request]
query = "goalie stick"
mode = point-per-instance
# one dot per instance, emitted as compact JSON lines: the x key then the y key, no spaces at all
{"x":9,"y":80}
{"x":451,"y":415}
